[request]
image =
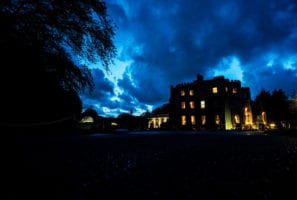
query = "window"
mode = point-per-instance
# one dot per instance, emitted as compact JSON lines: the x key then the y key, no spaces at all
{"x":263,"y":117}
{"x":234,"y":90}
{"x":191,"y":92}
{"x":236,"y":119}
{"x":203,"y":119}
{"x":226,"y":89}
{"x":192,"y":104}
{"x":248,"y":116}
{"x":193,"y":120}
{"x":202,"y":104}
{"x":182,"y":93}
{"x":183,"y":105}
{"x":214,"y":90}
{"x":183,"y":120}
{"x":217,"y":120}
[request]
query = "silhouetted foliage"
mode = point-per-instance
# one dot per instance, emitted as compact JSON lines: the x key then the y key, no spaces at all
{"x":131,"y":122}
{"x":163,"y":109}
{"x":280,"y":106}
{"x":53,"y":25}
{"x":39,"y":80}
{"x":90,"y":112}
{"x":262,"y":102}
{"x":276,"y":105}
{"x":126,"y":121}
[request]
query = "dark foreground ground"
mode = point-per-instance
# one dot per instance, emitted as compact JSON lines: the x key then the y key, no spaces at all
{"x":203,"y":165}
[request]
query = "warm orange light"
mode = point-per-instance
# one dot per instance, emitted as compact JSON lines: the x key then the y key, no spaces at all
{"x":183,"y":120}
{"x":182,"y":93}
{"x":183,"y":105}
{"x":114,"y":123}
{"x":236,"y":119}
{"x":192,"y":104}
{"x":272,"y":125}
{"x":234,"y":90}
{"x":217,"y":120}
{"x":248,"y":120}
{"x":203,"y":119}
{"x":193,"y":120}
{"x":214,"y":90}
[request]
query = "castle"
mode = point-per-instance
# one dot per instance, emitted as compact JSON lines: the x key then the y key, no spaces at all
{"x":210,"y":104}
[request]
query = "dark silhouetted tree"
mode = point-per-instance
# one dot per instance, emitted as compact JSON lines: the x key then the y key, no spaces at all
{"x":126,"y":121}
{"x":279,"y":105}
{"x":293,"y":109}
{"x":162,"y":110}
{"x":40,"y":80}
{"x":81,"y":25}
{"x":90,"y":112}
{"x":276,"y":105}
{"x":262,"y":103}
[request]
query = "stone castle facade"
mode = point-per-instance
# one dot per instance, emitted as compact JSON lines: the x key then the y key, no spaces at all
{"x":210,"y":104}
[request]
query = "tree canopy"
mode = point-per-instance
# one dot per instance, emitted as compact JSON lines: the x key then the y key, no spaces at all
{"x":276,"y":105}
{"x":40,"y":79}
{"x":62,"y":28}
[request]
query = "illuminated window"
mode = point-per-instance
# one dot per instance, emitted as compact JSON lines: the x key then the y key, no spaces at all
{"x":191,"y":92}
{"x":263,"y":116}
{"x":217,"y":120}
{"x":193,"y":120}
{"x":182,"y":93}
{"x":202,"y":104}
{"x":236,"y":119}
{"x":226,"y":89}
{"x":192,"y":104}
{"x":203,"y":119}
{"x":87,"y":119}
{"x":247,"y":116}
{"x":183,"y":120}
{"x":214,"y":90}
{"x":234,"y":90}
{"x":183,"y":105}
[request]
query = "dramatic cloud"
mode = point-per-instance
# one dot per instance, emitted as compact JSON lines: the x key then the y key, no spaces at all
{"x":163,"y":43}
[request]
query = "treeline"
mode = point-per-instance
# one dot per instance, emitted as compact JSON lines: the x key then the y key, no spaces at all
{"x":92,"y":122}
{"x":278,"y":107}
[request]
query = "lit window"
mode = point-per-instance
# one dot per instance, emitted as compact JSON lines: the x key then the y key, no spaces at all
{"x":191,"y":92}
{"x":217,"y":120}
{"x":263,"y":116}
{"x":192,"y":104}
{"x":203,"y":119}
{"x":234,"y":90}
{"x":237,"y":119}
{"x":193,"y":120}
{"x":214,"y":90}
{"x":182,"y":93}
{"x":183,"y":105}
{"x":183,"y":120}
{"x":247,"y":116}
{"x":226,"y":89}
{"x":202,"y":104}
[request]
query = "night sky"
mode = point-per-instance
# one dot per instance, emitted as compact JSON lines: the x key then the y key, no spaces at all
{"x":167,"y":42}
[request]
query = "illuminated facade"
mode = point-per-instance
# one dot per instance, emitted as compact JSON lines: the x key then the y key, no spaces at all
{"x":211,"y":104}
{"x":157,"y":120}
